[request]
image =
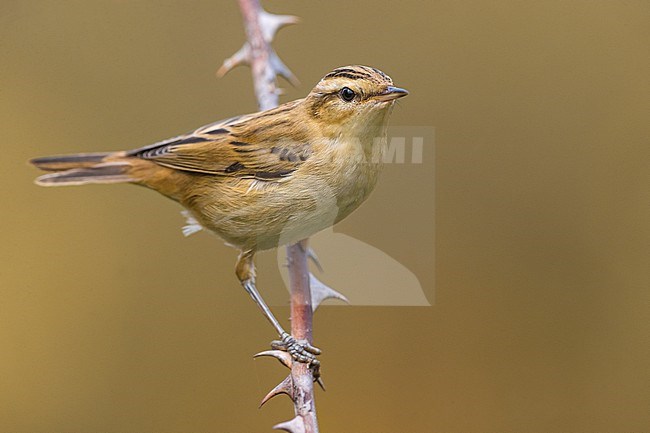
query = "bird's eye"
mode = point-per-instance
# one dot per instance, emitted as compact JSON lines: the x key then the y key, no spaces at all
{"x":347,"y":94}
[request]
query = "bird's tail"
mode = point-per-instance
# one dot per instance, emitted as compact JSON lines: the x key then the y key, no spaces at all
{"x":82,"y":168}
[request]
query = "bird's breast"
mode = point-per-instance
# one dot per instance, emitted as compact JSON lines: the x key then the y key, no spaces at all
{"x":355,"y":166}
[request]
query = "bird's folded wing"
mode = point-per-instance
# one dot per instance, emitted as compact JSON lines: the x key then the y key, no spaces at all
{"x":231,"y":148}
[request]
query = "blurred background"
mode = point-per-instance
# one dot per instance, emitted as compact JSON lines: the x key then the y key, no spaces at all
{"x":534,"y":250}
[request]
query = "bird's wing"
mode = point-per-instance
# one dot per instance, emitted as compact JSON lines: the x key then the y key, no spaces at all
{"x":255,"y":146}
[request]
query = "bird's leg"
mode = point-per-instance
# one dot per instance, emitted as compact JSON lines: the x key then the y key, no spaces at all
{"x":300,"y":351}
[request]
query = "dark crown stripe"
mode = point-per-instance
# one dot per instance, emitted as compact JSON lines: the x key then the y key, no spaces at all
{"x":347,"y":75}
{"x":353,"y":70}
{"x":353,"y":74}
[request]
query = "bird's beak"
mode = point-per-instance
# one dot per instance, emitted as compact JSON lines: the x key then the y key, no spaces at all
{"x":391,"y":93}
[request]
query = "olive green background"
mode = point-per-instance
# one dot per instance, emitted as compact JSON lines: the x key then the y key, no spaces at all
{"x":111,"y":321}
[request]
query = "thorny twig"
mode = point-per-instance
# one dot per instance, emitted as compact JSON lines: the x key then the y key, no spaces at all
{"x":258,"y":53}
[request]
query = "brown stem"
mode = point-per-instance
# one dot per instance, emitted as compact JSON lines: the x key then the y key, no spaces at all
{"x":264,"y":79}
{"x":301,"y":306}
{"x":301,"y":328}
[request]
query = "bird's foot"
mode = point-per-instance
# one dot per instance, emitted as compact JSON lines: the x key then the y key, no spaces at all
{"x":300,"y":351}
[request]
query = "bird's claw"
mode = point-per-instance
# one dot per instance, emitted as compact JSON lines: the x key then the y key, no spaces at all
{"x":299,"y":351}
{"x":287,"y":359}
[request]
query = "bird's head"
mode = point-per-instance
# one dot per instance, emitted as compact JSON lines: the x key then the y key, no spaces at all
{"x":352,"y":97}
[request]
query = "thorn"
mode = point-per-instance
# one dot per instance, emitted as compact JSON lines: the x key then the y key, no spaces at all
{"x":319,"y":381}
{"x":271,"y":23}
{"x":284,"y":387}
{"x":296,"y":425}
{"x":311,"y":254}
{"x":241,"y":57}
{"x":284,"y":357}
{"x":281,"y":69}
{"x":320,"y":292}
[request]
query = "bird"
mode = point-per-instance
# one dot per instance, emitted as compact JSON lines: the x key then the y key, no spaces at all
{"x":265,"y":179}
